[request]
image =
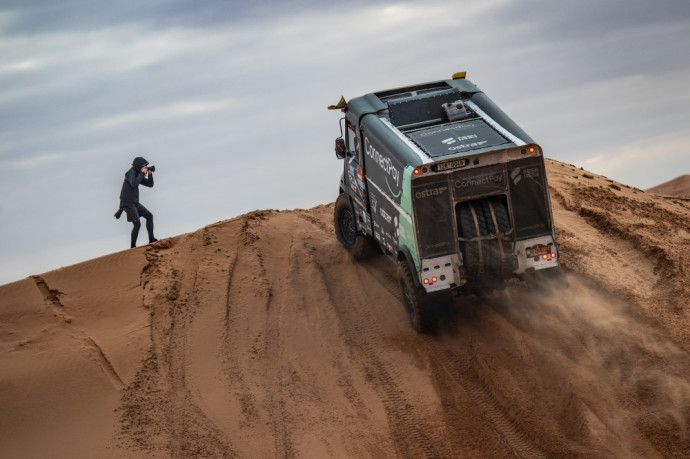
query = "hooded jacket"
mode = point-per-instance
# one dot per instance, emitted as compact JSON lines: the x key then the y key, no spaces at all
{"x":129,"y":196}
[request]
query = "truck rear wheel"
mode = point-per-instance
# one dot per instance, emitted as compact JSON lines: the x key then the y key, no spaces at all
{"x":358,"y":244}
{"x":413,"y":299}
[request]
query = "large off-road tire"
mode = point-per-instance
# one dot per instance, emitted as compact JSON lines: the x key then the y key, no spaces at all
{"x":498,"y":251}
{"x":358,"y":244}
{"x":476,"y":219}
{"x":413,"y":299}
{"x":471,"y":228}
{"x":501,"y":213}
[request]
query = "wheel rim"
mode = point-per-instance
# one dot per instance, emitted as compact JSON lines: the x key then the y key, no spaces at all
{"x":347,"y":227}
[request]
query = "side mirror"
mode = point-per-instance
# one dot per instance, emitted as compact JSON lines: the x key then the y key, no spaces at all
{"x":340,"y":148}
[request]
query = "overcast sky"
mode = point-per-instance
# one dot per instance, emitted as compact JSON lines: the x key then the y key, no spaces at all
{"x":228,"y":99}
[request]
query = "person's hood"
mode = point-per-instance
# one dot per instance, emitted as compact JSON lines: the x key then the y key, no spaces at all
{"x":138,"y":163}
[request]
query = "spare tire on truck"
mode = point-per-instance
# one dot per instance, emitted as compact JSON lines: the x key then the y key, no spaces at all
{"x":359,"y":245}
{"x":481,"y":226}
{"x":472,"y":225}
{"x":499,"y":253}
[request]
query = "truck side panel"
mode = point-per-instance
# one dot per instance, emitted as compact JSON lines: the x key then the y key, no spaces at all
{"x":388,"y":185}
{"x":385,"y":217}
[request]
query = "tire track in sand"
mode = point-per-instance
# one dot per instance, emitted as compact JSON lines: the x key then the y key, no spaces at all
{"x":270,"y":343}
{"x":192,"y":432}
{"x":158,"y":411}
{"x":252,"y":332}
{"x":364,"y":336}
{"x":455,"y":368}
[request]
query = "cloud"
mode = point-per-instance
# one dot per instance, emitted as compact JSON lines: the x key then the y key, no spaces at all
{"x":654,"y":160}
{"x":163,"y":114}
{"x":33,"y":161}
{"x":623,"y":127}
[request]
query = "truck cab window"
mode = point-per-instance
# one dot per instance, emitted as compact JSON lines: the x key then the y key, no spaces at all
{"x":352,"y":142}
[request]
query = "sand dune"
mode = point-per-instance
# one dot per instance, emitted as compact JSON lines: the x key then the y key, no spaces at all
{"x":679,"y":186}
{"x":260,"y":337}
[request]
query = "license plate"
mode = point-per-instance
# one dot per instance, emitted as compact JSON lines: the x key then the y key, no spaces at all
{"x":538,"y":250}
{"x":451,"y":165}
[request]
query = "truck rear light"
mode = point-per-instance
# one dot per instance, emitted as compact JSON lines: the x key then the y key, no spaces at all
{"x":416,"y":171}
{"x":426,"y":281}
{"x":531,"y":149}
{"x":545,"y":256}
{"x":553,"y":254}
{"x":433,"y":279}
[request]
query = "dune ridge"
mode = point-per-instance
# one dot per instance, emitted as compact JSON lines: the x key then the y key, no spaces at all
{"x":260,"y":336}
{"x":679,"y":186}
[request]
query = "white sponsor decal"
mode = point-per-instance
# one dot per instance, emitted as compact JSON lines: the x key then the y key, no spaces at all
{"x":532,"y":172}
{"x":518,"y":174}
{"x":384,"y":162}
{"x":430,"y":192}
{"x":468,"y":145}
{"x":386,"y":216}
{"x":397,"y":207}
{"x":515,"y":175}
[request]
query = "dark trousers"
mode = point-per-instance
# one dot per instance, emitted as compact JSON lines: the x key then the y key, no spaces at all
{"x":133,"y":214}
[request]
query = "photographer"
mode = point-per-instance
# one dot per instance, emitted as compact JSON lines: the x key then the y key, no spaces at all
{"x":139,"y":174}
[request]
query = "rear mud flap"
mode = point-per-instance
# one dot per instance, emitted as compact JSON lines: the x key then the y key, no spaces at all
{"x":438,"y":304}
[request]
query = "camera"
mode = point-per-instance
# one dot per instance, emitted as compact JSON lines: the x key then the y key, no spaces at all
{"x":151,"y":168}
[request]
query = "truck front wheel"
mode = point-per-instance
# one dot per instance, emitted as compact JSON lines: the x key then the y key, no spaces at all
{"x":413,"y":298}
{"x":358,"y":244}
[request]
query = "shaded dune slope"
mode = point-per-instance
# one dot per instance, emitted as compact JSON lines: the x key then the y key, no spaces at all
{"x":261,"y":337}
{"x":679,"y":186}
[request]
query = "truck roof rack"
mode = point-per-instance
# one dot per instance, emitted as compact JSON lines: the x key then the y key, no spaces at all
{"x":411,"y":91}
{"x":421,"y":110}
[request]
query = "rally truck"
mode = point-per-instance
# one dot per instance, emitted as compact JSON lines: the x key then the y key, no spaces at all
{"x":438,"y":178}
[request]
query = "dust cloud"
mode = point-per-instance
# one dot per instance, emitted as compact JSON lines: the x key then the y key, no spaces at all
{"x":616,"y":377}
